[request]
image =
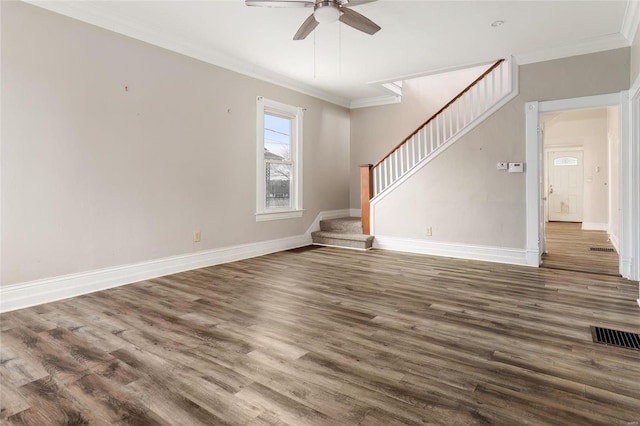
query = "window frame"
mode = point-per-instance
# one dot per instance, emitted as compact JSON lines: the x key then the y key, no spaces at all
{"x":296,"y":115}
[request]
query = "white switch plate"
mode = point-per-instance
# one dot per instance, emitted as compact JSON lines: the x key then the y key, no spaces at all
{"x":516,"y":167}
{"x":501,"y":166}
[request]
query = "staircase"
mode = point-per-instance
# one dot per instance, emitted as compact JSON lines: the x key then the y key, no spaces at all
{"x":343,"y":232}
{"x":496,"y":86}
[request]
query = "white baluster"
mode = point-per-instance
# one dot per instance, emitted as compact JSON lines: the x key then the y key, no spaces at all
{"x":396,"y":166}
{"x":451,"y":116}
{"x":414,"y":139}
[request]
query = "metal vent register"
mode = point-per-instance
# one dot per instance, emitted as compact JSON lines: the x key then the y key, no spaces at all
{"x":602,"y":249}
{"x":622,"y":339}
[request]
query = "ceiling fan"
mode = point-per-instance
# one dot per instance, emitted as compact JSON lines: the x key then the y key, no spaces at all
{"x":324,"y":11}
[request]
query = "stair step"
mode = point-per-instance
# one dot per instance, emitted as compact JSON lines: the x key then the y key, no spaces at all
{"x":357,"y":241}
{"x":345,"y":225}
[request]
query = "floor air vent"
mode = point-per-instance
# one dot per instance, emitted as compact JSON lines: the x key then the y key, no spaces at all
{"x":618,"y":338}
{"x":602,"y":249}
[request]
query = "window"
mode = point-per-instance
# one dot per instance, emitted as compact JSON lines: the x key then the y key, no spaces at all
{"x":279,"y":161}
{"x":565,"y":161}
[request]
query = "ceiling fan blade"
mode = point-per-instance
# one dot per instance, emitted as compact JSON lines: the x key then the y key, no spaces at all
{"x":280,"y":3}
{"x":358,"y":21}
{"x":351,"y":3}
{"x":305,"y":29}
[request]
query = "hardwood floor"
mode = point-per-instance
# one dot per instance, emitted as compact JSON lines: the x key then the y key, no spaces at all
{"x":328,"y":336}
{"x":568,"y":247}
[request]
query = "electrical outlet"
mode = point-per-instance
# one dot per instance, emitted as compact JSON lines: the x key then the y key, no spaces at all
{"x":196,"y":236}
{"x":429,"y":231}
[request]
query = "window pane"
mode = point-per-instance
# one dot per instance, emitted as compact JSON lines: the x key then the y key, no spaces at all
{"x":277,"y":138}
{"x":565,"y":161}
{"x":278,"y":187}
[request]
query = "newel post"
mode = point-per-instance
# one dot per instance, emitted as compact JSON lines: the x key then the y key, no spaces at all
{"x":366,"y":192}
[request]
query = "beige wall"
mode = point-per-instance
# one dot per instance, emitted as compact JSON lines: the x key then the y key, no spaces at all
{"x":635,"y":58}
{"x":376,"y":130}
{"x":586,"y":129}
{"x":460,"y":194}
{"x":94,"y":175}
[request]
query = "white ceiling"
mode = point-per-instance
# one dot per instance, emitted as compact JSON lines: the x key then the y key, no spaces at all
{"x":345,"y":66}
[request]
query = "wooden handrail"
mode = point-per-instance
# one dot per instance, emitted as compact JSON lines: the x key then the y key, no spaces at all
{"x":465,"y":90}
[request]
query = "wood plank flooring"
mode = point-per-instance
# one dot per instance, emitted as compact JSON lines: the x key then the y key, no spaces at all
{"x":328,"y":336}
{"x":568,"y":247}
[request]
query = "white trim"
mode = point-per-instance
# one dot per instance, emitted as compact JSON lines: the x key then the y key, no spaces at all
{"x":629,"y":231}
{"x":24,"y":295}
{"x":375,"y":101}
{"x":461,"y":251}
{"x":594,"y":226}
{"x":532,"y":184}
{"x":296,"y":117}
{"x":289,"y":214}
{"x":585,"y":102}
{"x":355,"y":212}
{"x":634,"y":91}
{"x":632,"y":126}
{"x":592,"y":45}
{"x":614,"y":242}
{"x":631,"y":20}
{"x":32,"y":293}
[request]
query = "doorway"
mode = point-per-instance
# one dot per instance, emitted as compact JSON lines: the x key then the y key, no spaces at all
{"x":579,"y":197}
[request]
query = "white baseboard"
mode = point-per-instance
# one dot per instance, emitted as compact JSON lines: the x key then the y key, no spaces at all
{"x":595,"y":226}
{"x":615,"y":242}
{"x":355,"y":212}
{"x":464,"y":251}
{"x":625,"y":267}
{"x":32,"y":293}
{"x":23,"y":295}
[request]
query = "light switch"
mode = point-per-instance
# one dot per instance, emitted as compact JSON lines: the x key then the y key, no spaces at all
{"x":516,"y":167}
{"x":501,"y":166}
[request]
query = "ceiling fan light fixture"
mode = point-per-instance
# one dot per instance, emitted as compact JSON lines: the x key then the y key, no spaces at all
{"x":326,"y":13}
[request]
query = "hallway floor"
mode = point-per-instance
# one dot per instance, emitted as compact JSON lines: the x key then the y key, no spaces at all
{"x":569,"y":248}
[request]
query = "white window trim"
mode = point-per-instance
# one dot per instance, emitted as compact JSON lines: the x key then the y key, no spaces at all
{"x":297,"y":114}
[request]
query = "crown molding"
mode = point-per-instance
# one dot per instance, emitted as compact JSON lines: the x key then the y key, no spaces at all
{"x":91,"y":13}
{"x":631,"y":20}
{"x":593,"y":45}
{"x":375,"y":101}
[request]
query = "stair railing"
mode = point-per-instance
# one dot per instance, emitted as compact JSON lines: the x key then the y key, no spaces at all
{"x":433,"y":135}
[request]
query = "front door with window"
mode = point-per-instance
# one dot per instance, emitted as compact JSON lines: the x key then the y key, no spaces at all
{"x":565,"y":186}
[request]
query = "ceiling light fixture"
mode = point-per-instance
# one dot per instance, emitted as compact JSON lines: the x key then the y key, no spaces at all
{"x":326,"y":12}
{"x":497,"y":23}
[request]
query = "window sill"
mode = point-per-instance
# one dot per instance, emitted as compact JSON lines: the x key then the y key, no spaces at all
{"x":278,"y":215}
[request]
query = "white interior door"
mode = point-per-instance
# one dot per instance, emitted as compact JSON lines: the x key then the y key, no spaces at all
{"x":566,"y":185}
